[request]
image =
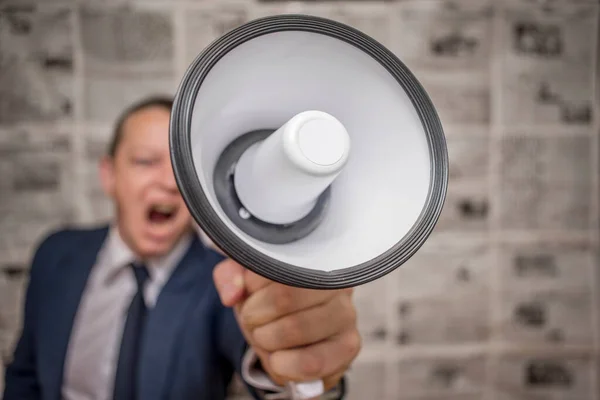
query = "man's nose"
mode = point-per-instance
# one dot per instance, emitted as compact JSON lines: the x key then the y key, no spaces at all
{"x":168,"y":178}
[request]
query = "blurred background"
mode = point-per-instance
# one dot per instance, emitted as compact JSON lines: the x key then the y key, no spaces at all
{"x":502,"y":301}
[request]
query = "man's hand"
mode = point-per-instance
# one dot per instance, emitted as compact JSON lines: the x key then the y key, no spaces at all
{"x":299,"y":334}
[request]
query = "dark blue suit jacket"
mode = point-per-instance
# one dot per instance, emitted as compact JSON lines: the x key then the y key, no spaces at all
{"x":191,"y":347}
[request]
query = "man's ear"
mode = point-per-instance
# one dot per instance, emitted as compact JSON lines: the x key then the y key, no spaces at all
{"x":107,"y":175}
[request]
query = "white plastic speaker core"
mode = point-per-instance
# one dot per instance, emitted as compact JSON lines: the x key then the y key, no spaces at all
{"x":279,"y":179}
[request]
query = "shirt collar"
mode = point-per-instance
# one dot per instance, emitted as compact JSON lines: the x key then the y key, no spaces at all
{"x":116,"y":256}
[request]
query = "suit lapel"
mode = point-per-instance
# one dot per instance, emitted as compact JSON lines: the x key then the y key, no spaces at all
{"x":166,"y":320}
{"x":64,"y":303}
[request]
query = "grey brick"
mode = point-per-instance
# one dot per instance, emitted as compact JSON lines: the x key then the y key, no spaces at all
{"x":36,"y":67}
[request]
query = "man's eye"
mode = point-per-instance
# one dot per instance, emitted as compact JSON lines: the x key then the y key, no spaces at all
{"x":144,"y":161}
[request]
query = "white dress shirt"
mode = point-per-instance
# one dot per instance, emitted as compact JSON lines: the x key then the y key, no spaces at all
{"x":94,"y":346}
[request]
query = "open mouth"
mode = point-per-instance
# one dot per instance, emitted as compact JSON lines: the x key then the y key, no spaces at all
{"x":161,"y":213}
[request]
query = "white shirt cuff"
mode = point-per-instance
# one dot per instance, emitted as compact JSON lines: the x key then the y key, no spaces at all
{"x":258,"y":379}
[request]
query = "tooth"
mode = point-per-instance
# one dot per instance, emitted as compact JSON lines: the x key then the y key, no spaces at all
{"x":163,"y":208}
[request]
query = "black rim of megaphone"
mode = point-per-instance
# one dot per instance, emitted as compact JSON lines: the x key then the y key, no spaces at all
{"x":208,"y":220}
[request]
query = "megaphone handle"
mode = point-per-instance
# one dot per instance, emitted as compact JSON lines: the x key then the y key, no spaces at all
{"x":307,"y":390}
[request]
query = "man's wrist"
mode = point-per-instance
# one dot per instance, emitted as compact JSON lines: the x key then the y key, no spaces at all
{"x":255,"y":376}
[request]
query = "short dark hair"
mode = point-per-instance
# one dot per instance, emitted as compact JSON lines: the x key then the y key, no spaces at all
{"x":148,"y":102}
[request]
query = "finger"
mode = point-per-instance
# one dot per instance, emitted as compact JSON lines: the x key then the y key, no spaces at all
{"x":276,"y":300}
{"x":316,"y":361}
{"x":306,"y":327}
{"x":332,"y":381}
{"x":266,"y":366}
{"x":329,"y":382}
{"x":255,"y":282}
{"x":228,"y":276}
{"x":262,"y":354}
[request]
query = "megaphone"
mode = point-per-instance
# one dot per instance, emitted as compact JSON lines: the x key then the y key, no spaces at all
{"x":308,"y":152}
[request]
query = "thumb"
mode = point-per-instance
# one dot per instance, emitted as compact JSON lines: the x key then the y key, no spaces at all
{"x":229,"y":281}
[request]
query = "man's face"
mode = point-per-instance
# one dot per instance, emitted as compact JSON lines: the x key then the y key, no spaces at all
{"x":150,"y":210}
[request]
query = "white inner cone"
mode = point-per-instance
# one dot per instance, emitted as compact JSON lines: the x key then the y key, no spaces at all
{"x":280,"y":179}
{"x":380,"y":191}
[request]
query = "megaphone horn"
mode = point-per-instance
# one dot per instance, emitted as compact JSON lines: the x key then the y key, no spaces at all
{"x":308,"y":152}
